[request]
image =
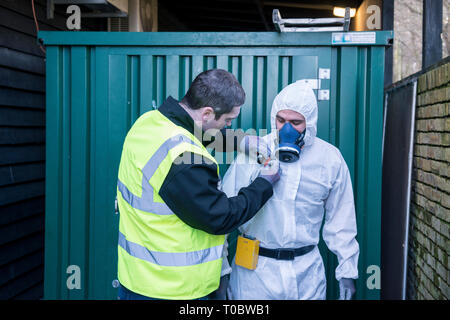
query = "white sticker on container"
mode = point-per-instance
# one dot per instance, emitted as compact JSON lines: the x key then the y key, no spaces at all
{"x":353,"y":37}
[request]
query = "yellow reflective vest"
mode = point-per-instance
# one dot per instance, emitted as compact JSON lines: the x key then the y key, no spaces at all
{"x":159,"y":255}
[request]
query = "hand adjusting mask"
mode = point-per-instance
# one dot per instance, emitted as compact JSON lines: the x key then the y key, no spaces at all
{"x":290,"y":143}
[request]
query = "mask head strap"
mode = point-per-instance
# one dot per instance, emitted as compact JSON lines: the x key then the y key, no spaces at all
{"x":299,"y":141}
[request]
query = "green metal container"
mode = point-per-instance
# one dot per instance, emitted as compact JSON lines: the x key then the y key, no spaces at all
{"x":98,"y":83}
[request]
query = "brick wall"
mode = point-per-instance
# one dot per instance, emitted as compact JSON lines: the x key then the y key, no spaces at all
{"x":428,"y":263}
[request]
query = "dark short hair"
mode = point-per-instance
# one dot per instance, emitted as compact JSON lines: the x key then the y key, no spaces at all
{"x":215,"y":88}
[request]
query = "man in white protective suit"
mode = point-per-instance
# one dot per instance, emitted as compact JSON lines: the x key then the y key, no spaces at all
{"x":315,"y":184}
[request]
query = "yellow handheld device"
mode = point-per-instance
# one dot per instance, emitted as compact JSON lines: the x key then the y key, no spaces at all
{"x":247,"y":251}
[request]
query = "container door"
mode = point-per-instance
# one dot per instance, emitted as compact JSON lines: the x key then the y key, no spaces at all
{"x":97,"y":90}
{"x":134,"y":81}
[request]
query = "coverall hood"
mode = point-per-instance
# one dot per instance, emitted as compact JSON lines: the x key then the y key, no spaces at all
{"x":299,"y":97}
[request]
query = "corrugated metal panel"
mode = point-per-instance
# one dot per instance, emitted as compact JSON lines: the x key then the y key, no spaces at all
{"x":356,"y":129}
{"x":98,"y":88}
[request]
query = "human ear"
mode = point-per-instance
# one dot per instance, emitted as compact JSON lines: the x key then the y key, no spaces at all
{"x":207,"y":114}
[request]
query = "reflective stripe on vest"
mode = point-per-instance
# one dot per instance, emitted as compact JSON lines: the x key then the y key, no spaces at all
{"x":146,"y":202}
{"x":170,"y":259}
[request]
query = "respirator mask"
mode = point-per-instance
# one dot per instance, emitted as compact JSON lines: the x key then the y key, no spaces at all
{"x":290,"y":143}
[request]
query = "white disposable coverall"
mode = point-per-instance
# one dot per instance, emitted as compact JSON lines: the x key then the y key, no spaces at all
{"x":319,"y":182}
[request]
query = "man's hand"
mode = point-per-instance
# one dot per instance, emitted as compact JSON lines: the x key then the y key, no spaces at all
{"x":346,"y":289}
{"x":271,"y":171}
{"x":253,"y":146}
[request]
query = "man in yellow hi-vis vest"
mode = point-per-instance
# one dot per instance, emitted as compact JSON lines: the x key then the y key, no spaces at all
{"x":173,"y":217}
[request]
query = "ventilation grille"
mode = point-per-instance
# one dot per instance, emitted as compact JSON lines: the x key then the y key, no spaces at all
{"x":118,"y":24}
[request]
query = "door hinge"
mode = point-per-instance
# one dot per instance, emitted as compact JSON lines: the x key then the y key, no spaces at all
{"x":324,"y":73}
{"x":323,"y":95}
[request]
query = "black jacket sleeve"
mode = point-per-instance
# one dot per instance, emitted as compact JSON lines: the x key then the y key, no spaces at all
{"x":230,"y":140}
{"x":190,"y":191}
